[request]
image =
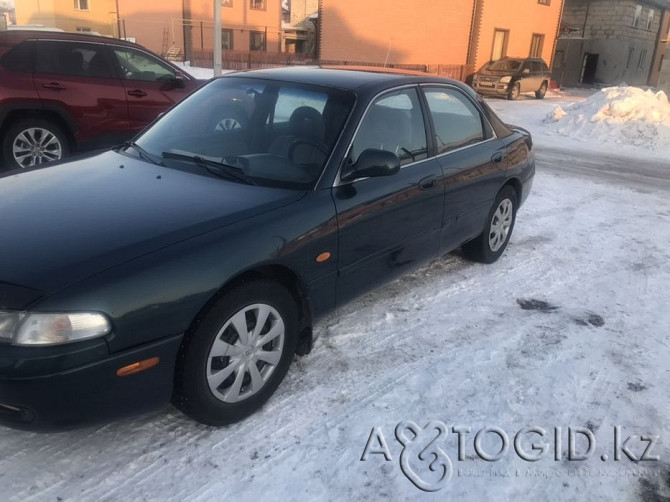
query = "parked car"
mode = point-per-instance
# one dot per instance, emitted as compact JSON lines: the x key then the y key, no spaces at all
{"x":191,"y":265}
{"x":511,"y":76}
{"x":66,"y":92}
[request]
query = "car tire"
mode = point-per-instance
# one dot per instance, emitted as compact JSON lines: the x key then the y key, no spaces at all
{"x":514,"y":92}
{"x":25,"y":135}
{"x":492,"y":242}
{"x":214,"y":380}
{"x":539,"y":94}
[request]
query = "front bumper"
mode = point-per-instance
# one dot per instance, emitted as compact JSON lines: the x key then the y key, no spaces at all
{"x":50,"y":388}
{"x":493,"y":89}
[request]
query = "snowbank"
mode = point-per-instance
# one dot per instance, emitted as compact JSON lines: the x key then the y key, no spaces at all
{"x":622,"y":115}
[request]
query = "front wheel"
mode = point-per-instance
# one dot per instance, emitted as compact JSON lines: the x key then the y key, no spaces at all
{"x":514,"y":92}
{"x":31,"y":142}
{"x":491,"y":243}
{"x":238,"y":354}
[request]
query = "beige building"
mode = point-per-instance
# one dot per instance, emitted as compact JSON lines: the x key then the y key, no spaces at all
{"x":248,"y":25}
{"x":437,"y":32}
{"x":97,"y":16}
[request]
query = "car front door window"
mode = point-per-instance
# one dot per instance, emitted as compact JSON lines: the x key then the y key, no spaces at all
{"x":136,"y":65}
{"x":394,"y":122}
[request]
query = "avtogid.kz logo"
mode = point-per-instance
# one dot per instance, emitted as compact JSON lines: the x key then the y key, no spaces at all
{"x":424,"y":461}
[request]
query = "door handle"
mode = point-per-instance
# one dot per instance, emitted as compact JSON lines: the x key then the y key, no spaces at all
{"x":54,"y":86}
{"x":428,"y":182}
{"x":497,"y":158}
{"x":138,"y":93}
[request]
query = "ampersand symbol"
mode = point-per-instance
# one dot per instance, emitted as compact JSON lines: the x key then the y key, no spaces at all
{"x":424,"y":446}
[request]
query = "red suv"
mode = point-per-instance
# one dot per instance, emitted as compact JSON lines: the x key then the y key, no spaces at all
{"x":65,"y":92}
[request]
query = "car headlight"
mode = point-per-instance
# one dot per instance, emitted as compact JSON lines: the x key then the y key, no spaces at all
{"x":505,"y":80}
{"x":33,"y":328}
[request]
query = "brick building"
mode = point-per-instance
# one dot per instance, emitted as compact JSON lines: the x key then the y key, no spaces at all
{"x":611,"y":41}
{"x":434,"y":32}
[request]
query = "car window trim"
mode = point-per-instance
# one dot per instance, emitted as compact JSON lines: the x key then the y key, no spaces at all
{"x":338,"y":179}
{"x":482,"y":115}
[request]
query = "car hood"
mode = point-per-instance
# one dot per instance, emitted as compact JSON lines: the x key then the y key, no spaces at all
{"x":64,"y":223}
{"x":487,"y":72}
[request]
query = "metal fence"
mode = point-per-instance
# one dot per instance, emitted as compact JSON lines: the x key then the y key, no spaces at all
{"x":246,"y":60}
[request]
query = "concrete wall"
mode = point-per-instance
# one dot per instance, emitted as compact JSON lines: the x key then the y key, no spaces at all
{"x":664,"y":77}
{"x":607,"y":29}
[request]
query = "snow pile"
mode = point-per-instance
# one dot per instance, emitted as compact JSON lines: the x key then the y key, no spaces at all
{"x":623,"y":115}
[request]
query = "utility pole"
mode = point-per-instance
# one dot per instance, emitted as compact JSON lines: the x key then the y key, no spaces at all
{"x":217,"y":38}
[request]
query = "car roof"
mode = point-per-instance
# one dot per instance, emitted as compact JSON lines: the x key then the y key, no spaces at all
{"x":349,"y":78}
{"x":510,"y":58}
{"x":16,"y":36}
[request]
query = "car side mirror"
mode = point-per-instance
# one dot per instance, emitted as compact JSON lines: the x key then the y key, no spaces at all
{"x":526,"y":71}
{"x":180,"y":80}
{"x":373,"y":163}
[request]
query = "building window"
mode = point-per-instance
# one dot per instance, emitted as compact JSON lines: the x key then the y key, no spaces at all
{"x":257,"y":4}
{"x":638,"y":15}
{"x":544,"y":2}
{"x":227,"y":39}
{"x":650,"y":19}
{"x":81,"y":5}
{"x":256,"y":41}
{"x":226,"y":3}
{"x":500,"y":40}
{"x":629,"y":58}
{"x":536,"y":45}
{"x":643,"y":58}
{"x":83,"y":29}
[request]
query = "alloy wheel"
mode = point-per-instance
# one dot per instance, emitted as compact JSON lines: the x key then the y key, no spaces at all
{"x":36,"y":145}
{"x":500,"y":224}
{"x":245,"y":353}
{"x":228,"y":124}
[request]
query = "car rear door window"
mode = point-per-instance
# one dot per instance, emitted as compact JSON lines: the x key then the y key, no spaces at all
{"x":137,"y":65}
{"x":394,"y":122}
{"x":456,"y":119}
{"x":21,"y":58}
{"x":73,"y":59}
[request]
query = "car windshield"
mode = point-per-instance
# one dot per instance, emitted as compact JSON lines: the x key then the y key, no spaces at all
{"x":259,"y":131}
{"x":505,"y":65}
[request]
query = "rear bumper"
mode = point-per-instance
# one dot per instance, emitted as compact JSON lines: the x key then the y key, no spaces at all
{"x":53,"y":400}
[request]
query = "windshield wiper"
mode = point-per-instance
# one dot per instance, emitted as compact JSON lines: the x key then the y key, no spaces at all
{"x":141,"y":152}
{"x":220,"y":169}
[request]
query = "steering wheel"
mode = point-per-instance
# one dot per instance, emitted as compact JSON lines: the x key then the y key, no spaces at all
{"x":305,"y":141}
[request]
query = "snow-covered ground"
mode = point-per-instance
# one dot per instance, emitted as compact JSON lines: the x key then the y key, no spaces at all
{"x":625,"y":120}
{"x":569,"y":329}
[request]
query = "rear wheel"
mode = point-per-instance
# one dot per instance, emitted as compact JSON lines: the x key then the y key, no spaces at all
{"x":514,"y":92}
{"x":238,"y":354}
{"x":491,"y":243}
{"x":32,"y":142}
{"x":539,"y":94}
